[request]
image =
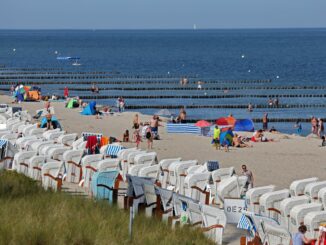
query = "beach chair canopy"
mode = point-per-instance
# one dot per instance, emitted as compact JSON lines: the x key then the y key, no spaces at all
{"x":89,"y":109}
{"x":244,"y":125}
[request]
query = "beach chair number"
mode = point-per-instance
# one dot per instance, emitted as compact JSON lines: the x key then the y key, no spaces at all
{"x":235,"y":209}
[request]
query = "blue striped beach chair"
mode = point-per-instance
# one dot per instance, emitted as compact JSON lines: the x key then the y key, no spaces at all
{"x":186,"y":128}
{"x":3,"y":146}
{"x":105,"y":185}
{"x":113,"y":150}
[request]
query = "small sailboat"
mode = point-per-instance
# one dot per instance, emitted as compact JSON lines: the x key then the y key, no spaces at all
{"x":75,"y":63}
{"x":195,"y":27}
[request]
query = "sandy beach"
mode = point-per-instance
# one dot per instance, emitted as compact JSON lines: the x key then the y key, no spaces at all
{"x":280,"y":162}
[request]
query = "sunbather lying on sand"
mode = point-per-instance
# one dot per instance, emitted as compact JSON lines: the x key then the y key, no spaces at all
{"x":258,"y":136}
{"x":237,"y":142}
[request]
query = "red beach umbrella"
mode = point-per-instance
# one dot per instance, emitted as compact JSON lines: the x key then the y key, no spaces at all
{"x":203,"y":124}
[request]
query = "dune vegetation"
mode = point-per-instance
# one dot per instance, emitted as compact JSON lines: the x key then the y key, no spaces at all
{"x":30,"y":215}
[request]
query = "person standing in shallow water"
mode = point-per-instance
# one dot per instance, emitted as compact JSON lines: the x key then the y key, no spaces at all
{"x":265,"y":121}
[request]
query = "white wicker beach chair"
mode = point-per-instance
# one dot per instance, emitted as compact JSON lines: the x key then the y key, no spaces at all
{"x":72,"y":159}
{"x":297,"y":187}
{"x":253,"y":195}
{"x":52,"y":173}
{"x":35,"y":164}
{"x":298,"y":213}
{"x":195,"y":187}
{"x":150,"y":171}
{"x":66,"y":139}
{"x":214,"y":222}
{"x":20,"y":161}
{"x":232,"y":187}
{"x":150,"y":198}
{"x":167,"y":202}
{"x":26,"y":130}
{"x":270,"y":203}
{"x":12,"y":137}
{"x":195,"y":214}
{"x":88,"y":162}
{"x":37,"y":132}
{"x":56,"y":153}
{"x":287,"y":204}
{"x":219,"y":175}
{"x":275,"y":234}
{"x":312,"y":189}
{"x":177,"y":172}
{"x":150,"y":158}
{"x":164,"y":170}
{"x":134,"y":169}
{"x":313,"y":220}
{"x":322,"y":197}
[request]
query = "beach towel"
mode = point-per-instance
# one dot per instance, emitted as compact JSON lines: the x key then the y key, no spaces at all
{"x":226,"y":138}
{"x":92,"y":145}
{"x":104,"y":141}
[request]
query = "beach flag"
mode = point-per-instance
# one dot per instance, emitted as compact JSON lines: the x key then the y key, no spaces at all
{"x":244,"y":223}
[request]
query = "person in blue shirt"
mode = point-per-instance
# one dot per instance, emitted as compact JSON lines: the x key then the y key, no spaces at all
{"x":299,"y":238}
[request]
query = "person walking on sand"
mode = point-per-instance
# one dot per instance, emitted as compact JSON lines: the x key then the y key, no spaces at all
{"x":136,"y":122}
{"x":137,"y":138}
{"x":265,"y":121}
{"x":250,"y":178}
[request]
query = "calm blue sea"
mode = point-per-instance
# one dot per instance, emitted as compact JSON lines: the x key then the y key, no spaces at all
{"x":287,"y":56}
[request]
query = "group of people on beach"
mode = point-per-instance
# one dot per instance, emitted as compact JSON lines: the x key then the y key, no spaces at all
{"x":273,"y":102}
{"x":147,"y":130}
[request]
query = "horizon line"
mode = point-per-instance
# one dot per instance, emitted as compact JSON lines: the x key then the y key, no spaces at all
{"x":156,"y":29}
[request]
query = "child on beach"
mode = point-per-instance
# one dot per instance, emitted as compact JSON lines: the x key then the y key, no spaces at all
{"x":126,"y":136}
{"x":149,"y":137}
{"x":137,"y":138}
{"x":323,"y":143}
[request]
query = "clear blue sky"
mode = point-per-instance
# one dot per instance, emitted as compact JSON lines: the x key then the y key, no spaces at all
{"x":158,"y":14}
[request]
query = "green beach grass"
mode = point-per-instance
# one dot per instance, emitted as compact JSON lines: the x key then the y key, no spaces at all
{"x":30,"y":215}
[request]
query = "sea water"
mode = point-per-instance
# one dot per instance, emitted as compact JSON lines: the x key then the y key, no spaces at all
{"x":286,"y":56}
